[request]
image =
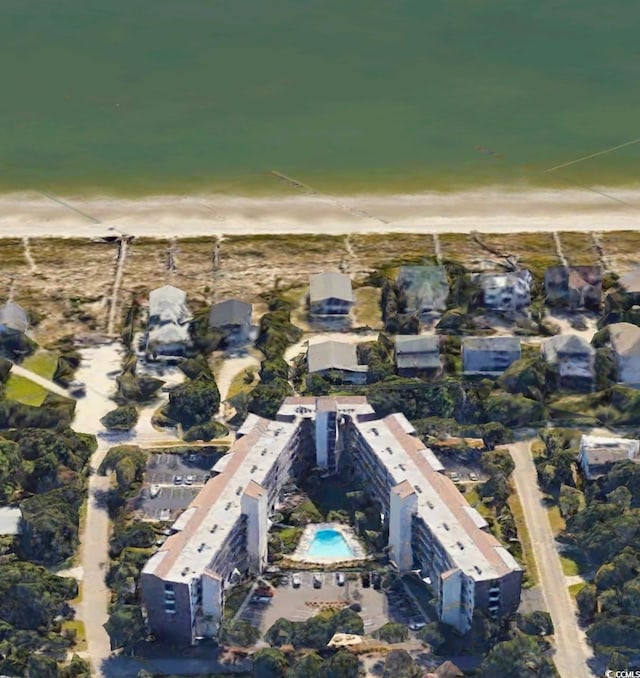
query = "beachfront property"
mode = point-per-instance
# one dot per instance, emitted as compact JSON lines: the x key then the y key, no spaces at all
{"x":573,"y":287}
{"x":337,"y":361}
{"x":625,"y":343}
{"x":505,"y":291}
{"x":222,"y":535}
{"x":418,"y":355}
{"x":232,"y":318}
{"x":168,"y":328}
{"x":574,"y":359}
{"x":330,"y":293}
{"x":422,"y":289}
{"x":489,"y":355}
{"x":597,"y":454}
{"x":13,"y":319}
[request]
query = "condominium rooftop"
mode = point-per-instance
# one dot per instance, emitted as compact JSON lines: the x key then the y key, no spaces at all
{"x":208,"y":520}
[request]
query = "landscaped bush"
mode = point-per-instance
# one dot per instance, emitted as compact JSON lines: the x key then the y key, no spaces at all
{"x":208,"y":431}
{"x":123,"y":418}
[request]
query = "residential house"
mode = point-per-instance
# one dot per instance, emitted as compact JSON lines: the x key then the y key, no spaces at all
{"x":489,"y":355}
{"x":597,"y":454}
{"x":629,"y":282}
{"x":336,"y":359}
{"x":505,"y":291}
{"x":574,"y":287}
{"x":233,"y":319}
{"x":13,"y":318}
{"x":625,"y":342}
{"x":330,"y":293}
{"x":168,"y":328}
{"x":422,"y":289}
{"x":574,"y":358}
{"x":418,"y":355}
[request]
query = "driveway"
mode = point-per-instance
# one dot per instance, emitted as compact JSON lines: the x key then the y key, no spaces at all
{"x":572,"y":650}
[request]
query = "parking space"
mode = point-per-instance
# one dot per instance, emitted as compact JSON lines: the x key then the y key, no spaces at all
{"x":166,"y":505}
{"x":178,"y":469}
{"x":299,"y":603}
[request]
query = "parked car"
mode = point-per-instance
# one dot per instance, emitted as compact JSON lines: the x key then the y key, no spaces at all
{"x":296,"y":581}
{"x":77,"y":389}
{"x":189,"y":480}
{"x":284,"y":580}
{"x":317,"y":581}
{"x":340,"y":579}
{"x":376,"y":581}
{"x":473,"y":476}
{"x":454,"y":476}
{"x":366,"y":580}
{"x":417,"y":625}
{"x":154,"y":491}
{"x":177,"y":480}
{"x":264,"y":591}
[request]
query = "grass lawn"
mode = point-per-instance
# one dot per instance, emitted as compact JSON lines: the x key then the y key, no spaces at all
{"x":573,"y":562}
{"x":43,"y":363}
{"x":367,"y":307}
{"x":525,"y":539}
{"x":555,"y":519}
{"x":25,"y":391}
{"x":239,"y":385}
{"x":474,"y":500}
{"x":574,"y":588}
{"x":234,"y":600}
{"x":80,"y":643}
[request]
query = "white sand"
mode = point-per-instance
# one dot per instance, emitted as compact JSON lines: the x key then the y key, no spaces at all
{"x":487,"y":210}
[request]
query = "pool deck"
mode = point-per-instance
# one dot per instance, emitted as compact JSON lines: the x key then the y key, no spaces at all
{"x":301,"y":553}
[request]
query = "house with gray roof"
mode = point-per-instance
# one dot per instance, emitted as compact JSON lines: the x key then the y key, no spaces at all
{"x":13,"y":318}
{"x":573,"y":287}
{"x":168,"y":329}
{"x":232,"y":318}
{"x":505,"y":291}
{"x":418,"y":355}
{"x":336,"y":360}
{"x":574,"y":359}
{"x":625,"y":343}
{"x":330,"y":293}
{"x":489,"y":355}
{"x":423,"y":289}
{"x":597,"y":454}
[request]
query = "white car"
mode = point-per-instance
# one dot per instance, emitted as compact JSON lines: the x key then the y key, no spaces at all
{"x":473,"y":476}
{"x":154,"y":491}
{"x":454,"y":476}
{"x":189,"y":480}
{"x":296,"y":581}
{"x":416,"y":626}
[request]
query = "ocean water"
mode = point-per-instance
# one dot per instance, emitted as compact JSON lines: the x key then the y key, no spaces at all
{"x":155,"y":96}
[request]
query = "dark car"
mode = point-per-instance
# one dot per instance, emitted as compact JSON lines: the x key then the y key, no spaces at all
{"x":366,"y":580}
{"x":376,"y":581}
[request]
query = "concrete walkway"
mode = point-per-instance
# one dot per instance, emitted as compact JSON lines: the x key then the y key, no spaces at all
{"x":572,"y":650}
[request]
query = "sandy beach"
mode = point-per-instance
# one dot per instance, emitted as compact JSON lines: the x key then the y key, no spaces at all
{"x":488,"y":210}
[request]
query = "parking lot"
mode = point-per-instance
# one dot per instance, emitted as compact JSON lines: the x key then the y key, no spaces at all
{"x":167,"y":504}
{"x":378,"y":607}
{"x":163,"y":469}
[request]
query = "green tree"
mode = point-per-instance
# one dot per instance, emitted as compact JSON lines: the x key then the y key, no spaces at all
{"x":520,"y":656}
{"x":123,"y":418}
{"x":392,"y":632}
{"x":536,"y":623}
{"x":41,"y":666}
{"x":586,"y":601}
{"x":239,"y":633}
{"x":433,"y":636}
{"x":570,"y":501}
{"x":269,"y":663}
{"x":10,"y":468}
{"x":309,"y":665}
{"x":343,"y":664}
{"x":280,"y":633}
{"x":194,"y":402}
{"x":398,"y":664}
{"x":125,"y":627}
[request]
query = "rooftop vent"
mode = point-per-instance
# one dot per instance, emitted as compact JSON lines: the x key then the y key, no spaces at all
{"x":429,"y":504}
{"x":213,"y":528}
{"x":254,"y":468}
{"x":202,"y":547}
{"x":184,"y":571}
{"x":239,"y":490}
{"x":401,"y":467}
{"x":375,"y":431}
{"x":263,"y":452}
{"x":389,"y":450}
{"x":446,"y":527}
{"x":460,"y":545}
{"x":227,"y":507}
{"x":477,"y":569}
{"x":417,"y":488}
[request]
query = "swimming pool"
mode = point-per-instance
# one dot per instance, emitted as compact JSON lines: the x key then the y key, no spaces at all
{"x":329,"y":543}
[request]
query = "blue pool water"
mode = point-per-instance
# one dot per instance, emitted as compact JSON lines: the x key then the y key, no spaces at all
{"x":329,"y":544}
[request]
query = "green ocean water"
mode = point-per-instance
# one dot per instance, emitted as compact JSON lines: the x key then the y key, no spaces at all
{"x":155,"y":96}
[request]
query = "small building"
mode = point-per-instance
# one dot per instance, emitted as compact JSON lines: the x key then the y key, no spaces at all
{"x":625,"y":342}
{"x":423,"y":289}
{"x":597,"y":454}
{"x":418,"y":355}
{"x":336,"y":360}
{"x":489,"y":355}
{"x":13,"y":318}
{"x":168,"y":329}
{"x":10,"y":521}
{"x":233,"y":318}
{"x":330,"y":293}
{"x":629,"y":282}
{"x":574,"y":287}
{"x":574,"y":358}
{"x":506,"y":291}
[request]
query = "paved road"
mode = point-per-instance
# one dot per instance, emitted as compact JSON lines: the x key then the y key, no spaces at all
{"x":41,"y":381}
{"x":572,"y":650}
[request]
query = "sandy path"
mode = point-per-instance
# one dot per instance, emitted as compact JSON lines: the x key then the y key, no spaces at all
{"x":488,"y":210}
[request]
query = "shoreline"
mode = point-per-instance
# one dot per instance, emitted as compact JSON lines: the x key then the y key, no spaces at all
{"x":492,"y":210}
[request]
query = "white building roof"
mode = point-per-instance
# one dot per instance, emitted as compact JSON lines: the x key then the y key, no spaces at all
{"x":330,"y":285}
{"x":333,"y":355}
